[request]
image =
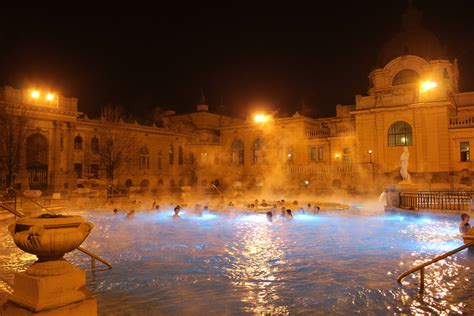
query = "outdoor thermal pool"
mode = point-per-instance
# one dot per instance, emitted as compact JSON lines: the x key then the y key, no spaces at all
{"x":335,"y":262}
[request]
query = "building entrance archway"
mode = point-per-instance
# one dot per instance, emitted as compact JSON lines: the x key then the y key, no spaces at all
{"x":37,"y":161}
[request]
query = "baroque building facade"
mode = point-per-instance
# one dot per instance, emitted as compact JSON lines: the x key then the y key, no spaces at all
{"x":413,"y":101}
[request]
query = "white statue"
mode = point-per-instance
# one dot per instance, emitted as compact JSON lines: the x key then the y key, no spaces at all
{"x":404,"y":168}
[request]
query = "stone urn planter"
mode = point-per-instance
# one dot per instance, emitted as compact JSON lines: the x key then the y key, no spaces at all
{"x":51,"y":282}
{"x":32,"y":194}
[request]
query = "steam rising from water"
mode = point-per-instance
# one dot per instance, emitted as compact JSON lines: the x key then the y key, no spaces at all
{"x":336,"y":262}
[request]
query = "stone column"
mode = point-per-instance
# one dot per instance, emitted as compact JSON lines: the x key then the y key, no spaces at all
{"x":69,"y":147}
{"x":56,"y":173}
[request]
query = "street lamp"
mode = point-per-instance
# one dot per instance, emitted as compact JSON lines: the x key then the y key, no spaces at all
{"x":427,"y":85}
{"x":370,"y":155}
{"x":35,"y":94}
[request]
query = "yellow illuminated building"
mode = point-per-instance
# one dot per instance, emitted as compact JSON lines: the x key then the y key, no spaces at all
{"x":413,"y":100}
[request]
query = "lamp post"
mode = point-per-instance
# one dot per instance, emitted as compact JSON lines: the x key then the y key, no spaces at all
{"x":371,"y":166}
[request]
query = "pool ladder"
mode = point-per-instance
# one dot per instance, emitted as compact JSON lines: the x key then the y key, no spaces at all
{"x":93,"y":256}
{"x":422,"y":266}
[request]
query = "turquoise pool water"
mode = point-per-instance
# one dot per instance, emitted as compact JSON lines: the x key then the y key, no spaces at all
{"x":335,"y":262}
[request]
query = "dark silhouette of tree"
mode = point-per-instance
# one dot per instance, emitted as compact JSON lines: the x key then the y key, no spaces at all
{"x":13,"y":134}
{"x":117,"y":141}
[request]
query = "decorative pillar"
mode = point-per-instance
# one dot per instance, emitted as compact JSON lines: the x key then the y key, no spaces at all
{"x":57,"y":178}
{"x":69,"y":147}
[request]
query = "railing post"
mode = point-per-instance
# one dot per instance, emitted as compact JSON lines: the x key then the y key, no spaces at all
{"x":422,"y":280}
{"x":93,"y":263}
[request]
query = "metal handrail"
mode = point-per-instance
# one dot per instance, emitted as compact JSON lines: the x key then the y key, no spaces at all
{"x":94,"y":257}
{"x":422,"y":266}
{"x":83,"y":250}
{"x":14,"y":212}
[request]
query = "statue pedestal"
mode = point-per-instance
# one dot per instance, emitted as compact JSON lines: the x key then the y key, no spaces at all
{"x":45,"y":292}
{"x":86,"y":307}
{"x":51,"y":286}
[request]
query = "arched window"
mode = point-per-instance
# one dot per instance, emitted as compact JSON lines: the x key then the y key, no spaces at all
{"x":145,"y":183}
{"x":171,"y":154}
{"x":95,"y":144}
{"x":256,"y":150}
{"x":36,"y":151}
{"x":78,"y":143}
{"x":400,"y":134}
{"x":160,"y":182}
{"x":180,"y":155}
{"x":128,"y":183}
{"x":144,"y":158}
{"x":237,"y":152}
{"x":405,"y":76}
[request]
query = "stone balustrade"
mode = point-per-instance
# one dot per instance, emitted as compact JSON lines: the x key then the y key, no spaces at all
{"x":322,"y":169}
{"x":461,"y":121}
{"x":318,"y":132}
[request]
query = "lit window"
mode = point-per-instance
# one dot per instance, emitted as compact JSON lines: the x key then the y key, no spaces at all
{"x":144,"y":158}
{"x":160,"y":158}
{"x":465,"y":151}
{"x":321,"y":153}
{"x":400,"y":134}
{"x":204,"y":157}
{"x":256,"y":148}
{"x":316,"y":153}
{"x":313,"y":153}
{"x":237,"y":152}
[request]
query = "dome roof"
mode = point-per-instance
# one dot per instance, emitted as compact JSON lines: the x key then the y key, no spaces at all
{"x":414,"y":39}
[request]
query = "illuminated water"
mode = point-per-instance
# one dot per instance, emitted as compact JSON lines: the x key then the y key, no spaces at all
{"x":341,"y":262}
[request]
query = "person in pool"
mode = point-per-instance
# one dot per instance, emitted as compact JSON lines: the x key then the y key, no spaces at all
{"x":269,"y":216}
{"x":176,"y":212}
{"x":131,"y":214}
{"x":115,"y":211}
{"x":283,"y":211}
{"x":464,"y":226}
{"x":289,"y":215}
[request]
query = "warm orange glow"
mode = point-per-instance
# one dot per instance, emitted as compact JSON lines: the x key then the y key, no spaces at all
{"x":337,"y":156}
{"x":35,"y":94}
{"x":50,"y":97}
{"x":370,"y":151}
{"x":427,"y":85}
{"x":260,"y":118}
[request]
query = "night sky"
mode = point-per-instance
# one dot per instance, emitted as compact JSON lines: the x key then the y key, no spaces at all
{"x":240,"y":57}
